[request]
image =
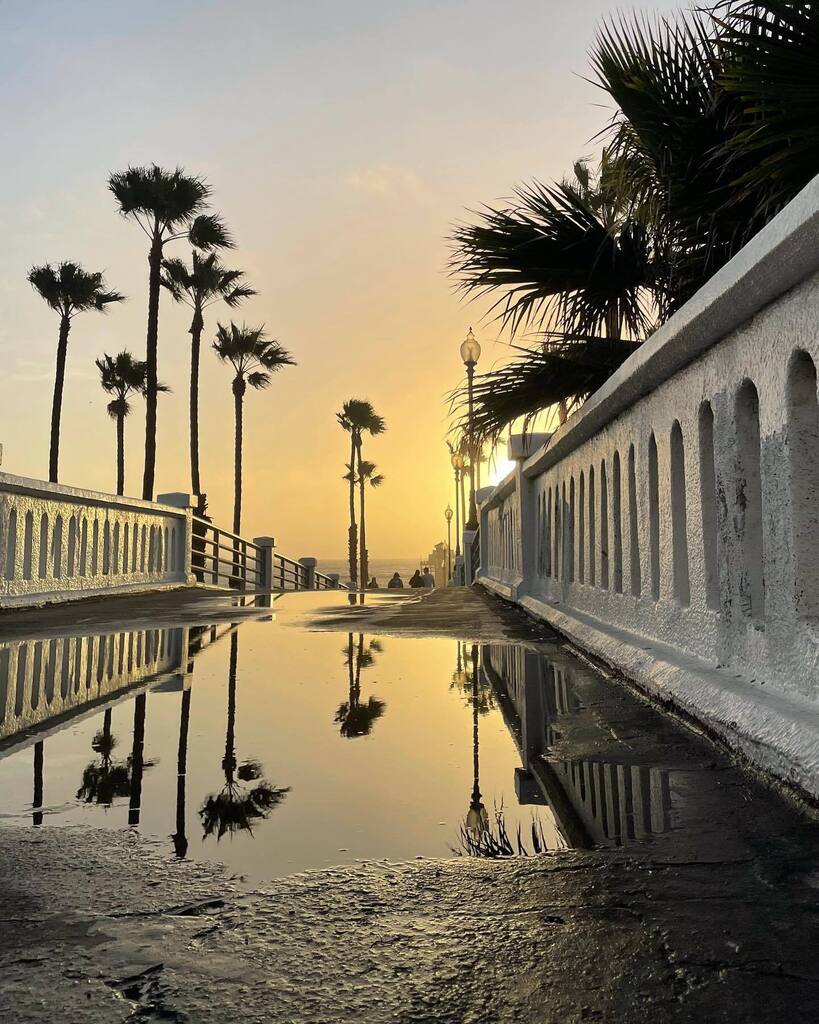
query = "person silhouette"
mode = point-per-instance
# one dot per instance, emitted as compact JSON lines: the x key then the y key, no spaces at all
{"x":396,"y":583}
{"x":416,"y":580}
{"x":428,"y":578}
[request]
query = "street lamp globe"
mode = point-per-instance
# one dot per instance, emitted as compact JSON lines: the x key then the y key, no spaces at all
{"x":448,"y":513}
{"x":470,"y":349}
{"x":457,"y":460}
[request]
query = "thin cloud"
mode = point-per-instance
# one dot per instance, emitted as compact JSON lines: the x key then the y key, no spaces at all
{"x":385,"y":179}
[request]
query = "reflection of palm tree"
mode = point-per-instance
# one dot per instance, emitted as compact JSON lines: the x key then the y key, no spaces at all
{"x":37,"y":802}
{"x":180,"y":839}
{"x":104,"y":781}
{"x":137,"y":760}
{"x":236,"y":807}
{"x":353,"y":717}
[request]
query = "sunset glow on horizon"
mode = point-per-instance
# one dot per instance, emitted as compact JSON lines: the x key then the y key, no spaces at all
{"x":341,"y":142}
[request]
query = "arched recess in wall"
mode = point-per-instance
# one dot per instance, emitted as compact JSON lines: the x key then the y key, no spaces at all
{"x":749,"y":501}
{"x":604,"y":527}
{"x":617,"y":524}
{"x":654,"y":517}
{"x":634,"y":532}
{"x":570,"y":531}
{"x":708,"y":503}
{"x":679,"y":517}
{"x":803,"y":455}
{"x":592,"y":530}
{"x":581,"y":529}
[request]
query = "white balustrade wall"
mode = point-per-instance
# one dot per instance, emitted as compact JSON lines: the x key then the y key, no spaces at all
{"x":58,"y":543}
{"x":671,"y":526}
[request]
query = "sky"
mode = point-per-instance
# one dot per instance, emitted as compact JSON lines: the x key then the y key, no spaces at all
{"x":342,"y":140}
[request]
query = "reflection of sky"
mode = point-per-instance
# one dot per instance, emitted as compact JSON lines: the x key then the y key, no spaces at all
{"x":399,"y":793}
{"x":342,"y":139}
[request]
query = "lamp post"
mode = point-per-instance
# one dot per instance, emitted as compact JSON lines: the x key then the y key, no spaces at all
{"x":448,"y":515}
{"x":477,"y":818}
{"x":471,"y":353}
{"x":457,"y":465}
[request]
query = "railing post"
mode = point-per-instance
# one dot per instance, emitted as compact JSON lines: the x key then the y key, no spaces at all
{"x":335,"y":577}
{"x":268,"y":546}
{"x":310,"y":574}
{"x":187,"y":502}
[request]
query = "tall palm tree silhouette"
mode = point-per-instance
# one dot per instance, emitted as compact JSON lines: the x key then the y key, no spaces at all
{"x":357,"y":417}
{"x":353,"y":717}
{"x":68,"y":290}
{"x":122,"y":376}
{"x":167,"y":206}
{"x":202,"y":284}
{"x":366,"y":475}
{"x":254,"y":357}
{"x":238,"y":805}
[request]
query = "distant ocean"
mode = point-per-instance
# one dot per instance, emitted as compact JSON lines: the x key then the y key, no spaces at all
{"x":381,"y":568}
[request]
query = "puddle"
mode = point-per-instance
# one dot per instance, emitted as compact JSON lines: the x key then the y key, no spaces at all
{"x":279,"y":749}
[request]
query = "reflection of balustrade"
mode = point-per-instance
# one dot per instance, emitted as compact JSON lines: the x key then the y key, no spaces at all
{"x":602,"y":801}
{"x":44,"y":679}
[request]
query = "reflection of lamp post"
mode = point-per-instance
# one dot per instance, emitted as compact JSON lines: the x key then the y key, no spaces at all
{"x":448,"y":515}
{"x":471,"y":353}
{"x":457,"y":465}
{"x":477,"y":819}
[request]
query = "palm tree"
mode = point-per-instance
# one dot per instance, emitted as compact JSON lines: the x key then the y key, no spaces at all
{"x":236,"y":807}
{"x":122,"y":376}
{"x":578,"y":263}
{"x":68,"y":290}
{"x":206,"y":281}
{"x":254,"y":357}
{"x":167,"y":206}
{"x":357,"y":417}
{"x":366,"y":474}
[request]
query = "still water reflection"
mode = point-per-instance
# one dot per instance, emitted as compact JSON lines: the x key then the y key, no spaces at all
{"x":276,"y":749}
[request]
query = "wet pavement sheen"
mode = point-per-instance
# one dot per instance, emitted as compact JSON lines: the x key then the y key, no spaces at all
{"x":308,"y":739}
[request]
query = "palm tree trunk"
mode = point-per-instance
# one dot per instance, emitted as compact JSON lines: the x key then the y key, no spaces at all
{"x":137,"y":761}
{"x":238,"y":396}
{"x":120,"y":454}
{"x":229,"y":763}
{"x":362,"y":547}
{"x":180,"y":839}
{"x":155,"y":270}
{"x":196,"y":340}
{"x":352,"y":536}
{"x":37,"y":802}
{"x":57,"y":404}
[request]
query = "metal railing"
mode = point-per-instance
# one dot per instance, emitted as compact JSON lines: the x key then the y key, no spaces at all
{"x":221,"y":558}
{"x":218,"y":557}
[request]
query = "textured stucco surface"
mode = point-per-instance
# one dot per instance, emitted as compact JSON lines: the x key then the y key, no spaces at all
{"x":724,"y":577}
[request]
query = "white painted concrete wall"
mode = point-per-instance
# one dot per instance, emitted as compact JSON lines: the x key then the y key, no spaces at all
{"x":670,"y":526}
{"x":58,"y":543}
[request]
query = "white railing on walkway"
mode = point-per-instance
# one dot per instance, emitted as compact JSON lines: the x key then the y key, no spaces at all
{"x":59,"y":542}
{"x":670,"y":526}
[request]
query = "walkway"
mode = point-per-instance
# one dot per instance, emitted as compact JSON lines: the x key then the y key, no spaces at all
{"x":711,"y":920}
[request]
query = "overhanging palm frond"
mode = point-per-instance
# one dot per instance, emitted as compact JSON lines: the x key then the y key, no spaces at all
{"x":562,"y":255}
{"x":564,"y":369}
{"x":770,"y":63}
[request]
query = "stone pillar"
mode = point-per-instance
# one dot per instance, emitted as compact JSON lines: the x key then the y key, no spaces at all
{"x":310,"y":565}
{"x":268,"y":546}
{"x":470,"y":570}
{"x":187,"y":502}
